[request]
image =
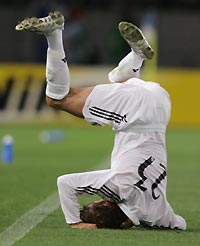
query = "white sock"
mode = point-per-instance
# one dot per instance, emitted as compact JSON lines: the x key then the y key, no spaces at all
{"x":57,"y":71}
{"x":129,"y":67}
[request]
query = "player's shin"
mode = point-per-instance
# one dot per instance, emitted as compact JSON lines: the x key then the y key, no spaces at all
{"x":57,"y":71}
{"x":129,"y":67}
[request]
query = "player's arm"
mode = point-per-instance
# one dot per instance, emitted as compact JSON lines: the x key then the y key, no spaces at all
{"x":73,"y":102}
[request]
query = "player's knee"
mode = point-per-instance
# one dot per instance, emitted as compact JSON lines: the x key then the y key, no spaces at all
{"x":53,"y":102}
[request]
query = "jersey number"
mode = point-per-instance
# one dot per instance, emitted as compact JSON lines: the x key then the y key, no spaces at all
{"x":155,"y":184}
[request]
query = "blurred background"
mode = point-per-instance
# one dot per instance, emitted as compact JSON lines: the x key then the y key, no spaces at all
{"x":93,"y":47}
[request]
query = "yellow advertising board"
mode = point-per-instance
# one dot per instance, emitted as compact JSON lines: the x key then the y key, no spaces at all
{"x":22,"y":92}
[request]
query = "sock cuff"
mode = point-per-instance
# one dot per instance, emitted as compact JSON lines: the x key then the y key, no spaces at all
{"x":56,"y":91}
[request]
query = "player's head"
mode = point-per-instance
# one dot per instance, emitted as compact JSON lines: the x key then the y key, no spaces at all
{"x":104,"y":214}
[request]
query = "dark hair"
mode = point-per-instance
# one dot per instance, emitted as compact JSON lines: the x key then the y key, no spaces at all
{"x":103,"y":214}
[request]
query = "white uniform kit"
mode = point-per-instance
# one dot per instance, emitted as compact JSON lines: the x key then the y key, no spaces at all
{"x":139,"y":112}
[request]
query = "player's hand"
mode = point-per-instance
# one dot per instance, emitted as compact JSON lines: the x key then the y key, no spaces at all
{"x":82,"y":225}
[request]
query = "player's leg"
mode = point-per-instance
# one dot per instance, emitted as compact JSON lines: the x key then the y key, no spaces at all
{"x":129,"y":66}
{"x":72,"y":185}
{"x":57,"y":72}
{"x":58,"y":91}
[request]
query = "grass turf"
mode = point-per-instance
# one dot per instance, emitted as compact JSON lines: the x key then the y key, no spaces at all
{"x":32,"y":177}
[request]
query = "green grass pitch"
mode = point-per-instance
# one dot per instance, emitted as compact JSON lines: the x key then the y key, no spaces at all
{"x":32,"y":177}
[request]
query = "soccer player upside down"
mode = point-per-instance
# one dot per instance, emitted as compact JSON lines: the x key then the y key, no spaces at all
{"x":133,"y":190}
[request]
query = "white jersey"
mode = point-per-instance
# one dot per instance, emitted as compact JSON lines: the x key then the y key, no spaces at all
{"x":138,"y":112}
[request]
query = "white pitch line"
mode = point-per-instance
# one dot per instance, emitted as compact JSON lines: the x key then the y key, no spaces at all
{"x":33,"y":217}
{"x":29,"y":220}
